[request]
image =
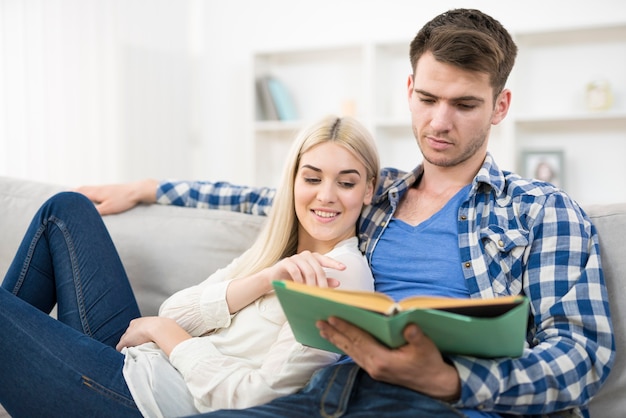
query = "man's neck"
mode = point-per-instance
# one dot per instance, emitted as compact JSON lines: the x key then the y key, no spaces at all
{"x":433,"y":190}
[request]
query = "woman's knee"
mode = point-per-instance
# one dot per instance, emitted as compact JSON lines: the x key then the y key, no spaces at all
{"x":68,"y":204}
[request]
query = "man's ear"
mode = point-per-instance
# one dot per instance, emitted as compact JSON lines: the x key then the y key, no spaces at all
{"x":409,"y":88}
{"x":501,"y":107}
{"x":369,"y":194}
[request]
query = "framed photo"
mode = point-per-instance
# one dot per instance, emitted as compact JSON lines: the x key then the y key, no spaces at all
{"x":542,"y":165}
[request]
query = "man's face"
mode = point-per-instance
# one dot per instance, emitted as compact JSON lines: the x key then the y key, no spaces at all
{"x":452,"y":111}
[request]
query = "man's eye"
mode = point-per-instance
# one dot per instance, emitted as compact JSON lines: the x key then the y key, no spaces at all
{"x":464,"y":106}
{"x":427,"y":101}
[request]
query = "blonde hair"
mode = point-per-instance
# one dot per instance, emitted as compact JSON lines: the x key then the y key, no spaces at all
{"x":279,"y":237}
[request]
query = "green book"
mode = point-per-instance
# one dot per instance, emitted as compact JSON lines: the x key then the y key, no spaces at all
{"x":475,"y":327}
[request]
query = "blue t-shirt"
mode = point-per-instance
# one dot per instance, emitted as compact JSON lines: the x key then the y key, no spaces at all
{"x":423,"y":260}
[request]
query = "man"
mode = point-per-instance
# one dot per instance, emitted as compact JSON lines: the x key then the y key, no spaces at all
{"x":457,"y":226}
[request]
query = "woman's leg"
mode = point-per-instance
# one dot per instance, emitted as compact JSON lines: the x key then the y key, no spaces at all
{"x":67,"y":257}
{"x":49,"y":369}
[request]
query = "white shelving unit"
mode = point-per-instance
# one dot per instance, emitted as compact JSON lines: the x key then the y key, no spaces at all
{"x":550,"y":109}
{"x":548,"y":113}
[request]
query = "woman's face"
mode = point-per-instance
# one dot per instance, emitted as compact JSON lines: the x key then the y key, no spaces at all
{"x":330,"y":189}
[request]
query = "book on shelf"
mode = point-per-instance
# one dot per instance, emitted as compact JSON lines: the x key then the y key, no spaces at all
{"x":266,"y":107}
{"x":274,"y":100}
{"x":476,"y":327}
{"x":285,"y":106}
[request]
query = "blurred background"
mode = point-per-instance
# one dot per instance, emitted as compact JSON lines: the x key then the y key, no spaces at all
{"x":95,"y":91}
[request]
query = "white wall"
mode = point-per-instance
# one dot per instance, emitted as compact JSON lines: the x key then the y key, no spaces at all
{"x":101,"y":91}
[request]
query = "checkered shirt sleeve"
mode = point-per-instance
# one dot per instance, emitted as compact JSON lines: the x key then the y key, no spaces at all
{"x":218,"y":195}
{"x":523,"y":237}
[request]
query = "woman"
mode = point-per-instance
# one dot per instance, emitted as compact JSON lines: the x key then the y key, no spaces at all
{"x":224,"y":343}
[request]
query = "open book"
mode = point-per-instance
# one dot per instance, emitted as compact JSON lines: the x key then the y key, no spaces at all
{"x":475,"y":327}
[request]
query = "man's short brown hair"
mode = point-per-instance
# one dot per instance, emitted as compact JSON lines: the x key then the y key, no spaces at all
{"x":468,"y":39}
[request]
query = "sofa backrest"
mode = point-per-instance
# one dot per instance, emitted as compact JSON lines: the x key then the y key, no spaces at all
{"x":168,"y":248}
{"x":610,"y":221}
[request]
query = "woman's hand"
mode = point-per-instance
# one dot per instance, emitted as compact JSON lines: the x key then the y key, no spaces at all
{"x":164,"y":332}
{"x":116,"y":198}
{"x":305,"y":267}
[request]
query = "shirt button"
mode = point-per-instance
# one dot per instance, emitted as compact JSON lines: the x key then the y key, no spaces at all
{"x":463,"y":218}
{"x":468,"y":264}
{"x":501,"y":243}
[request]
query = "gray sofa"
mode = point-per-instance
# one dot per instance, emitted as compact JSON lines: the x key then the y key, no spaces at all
{"x":166,"y":248}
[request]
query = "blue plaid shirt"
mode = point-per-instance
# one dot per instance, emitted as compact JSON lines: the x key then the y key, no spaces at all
{"x":515,"y":237}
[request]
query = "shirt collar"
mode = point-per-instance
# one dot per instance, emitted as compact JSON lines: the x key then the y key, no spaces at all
{"x":489,"y":175}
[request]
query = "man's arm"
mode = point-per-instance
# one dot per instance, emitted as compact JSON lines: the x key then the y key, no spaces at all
{"x":571,"y":344}
{"x":216,"y":195}
{"x":117,"y":198}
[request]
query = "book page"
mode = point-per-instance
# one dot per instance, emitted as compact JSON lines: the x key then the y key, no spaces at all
{"x":373,"y":301}
{"x":379,"y":302}
{"x":470,"y":307}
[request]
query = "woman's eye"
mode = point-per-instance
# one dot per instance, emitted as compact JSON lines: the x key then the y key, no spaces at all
{"x":311,"y":180}
{"x":346,"y":184}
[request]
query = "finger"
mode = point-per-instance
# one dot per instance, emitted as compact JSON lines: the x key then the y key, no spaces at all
{"x":105,"y":208}
{"x":317,"y":274}
{"x":332,"y":282}
{"x":121,"y":344}
{"x":413,"y":334}
{"x":344,"y":335}
{"x":329,"y":262}
{"x":293,"y":271}
{"x":310,"y":270}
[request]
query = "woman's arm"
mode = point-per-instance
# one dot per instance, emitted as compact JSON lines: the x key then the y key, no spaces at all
{"x":219,"y":381}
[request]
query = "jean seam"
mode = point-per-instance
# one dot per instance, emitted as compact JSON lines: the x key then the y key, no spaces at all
{"x":96,"y":387}
{"x":345,"y":393}
{"x":75,"y":269}
{"x":82,"y":311}
{"x":27,"y":260}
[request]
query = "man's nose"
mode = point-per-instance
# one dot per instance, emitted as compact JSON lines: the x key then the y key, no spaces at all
{"x":442,"y":117}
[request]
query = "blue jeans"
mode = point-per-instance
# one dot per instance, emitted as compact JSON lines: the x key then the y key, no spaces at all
{"x":66,"y":367}
{"x":345,"y":390}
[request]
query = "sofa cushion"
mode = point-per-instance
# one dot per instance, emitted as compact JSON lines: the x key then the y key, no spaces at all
{"x":168,"y":248}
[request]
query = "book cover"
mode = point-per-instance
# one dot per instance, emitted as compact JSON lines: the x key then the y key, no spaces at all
{"x":285,"y":107}
{"x":476,"y":327}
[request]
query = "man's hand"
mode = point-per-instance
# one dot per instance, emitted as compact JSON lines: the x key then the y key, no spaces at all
{"x":117,"y":198}
{"x":418,"y":365}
